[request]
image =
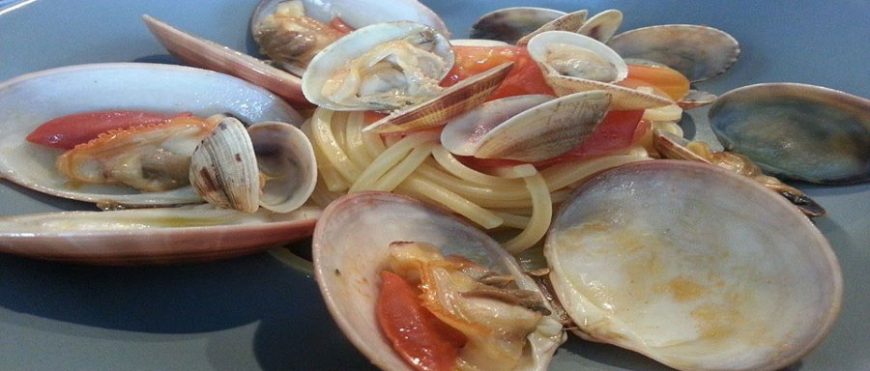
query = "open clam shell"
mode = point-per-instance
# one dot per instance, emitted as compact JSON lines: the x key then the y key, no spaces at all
{"x":385,"y":66}
{"x":350,"y":248}
{"x":348,"y":11}
{"x":207,"y":54}
{"x":797,"y":131}
{"x":602,"y":26}
{"x":693,"y":266}
{"x":511,"y":24}
{"x":30,"y":100}
{"x":151,"y":236}
{"x":271,"y":164}
{"x":698,"y":52}
{"x":569,"y":76}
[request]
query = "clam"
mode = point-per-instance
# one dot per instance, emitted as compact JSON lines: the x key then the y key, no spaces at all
{"x":202,"y":53}
{"x":797,"y":131}
{"x":573,"y":63}
{"x":385,"y":66}
{"x":511,"y":24}
{"x":602,"y":26}
{"x":292,"y":32}
{"x":29,"y":100}
{"x":676,"y":147}
{"x":271,"y":164}
{"x":357,"y":237}
{"x":526,"y":128}
{"x":569,"y":22}
{"x":151,"y":236}
{"x":698,"y":52}
{"x":693,"y":266}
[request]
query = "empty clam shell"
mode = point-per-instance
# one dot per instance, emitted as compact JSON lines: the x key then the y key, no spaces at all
{"x":797,"y":131}
{"x":570,"y":22}
{"x":693,"y":266}
{"x":206,"y":54}
{"x":510,"y":24}
{"x":602,"y":26}
{"x":698,"y":52}
{"x":286,"y":161}
{"x":30,"y":100}
{"x":350,"y":248}
{"x":271,"y":164}
{"x":151,"y":236}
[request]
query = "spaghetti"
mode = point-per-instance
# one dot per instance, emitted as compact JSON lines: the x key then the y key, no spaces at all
{"x":517,"y":197}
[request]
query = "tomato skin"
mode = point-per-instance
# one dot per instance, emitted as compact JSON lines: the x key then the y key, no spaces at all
{"x":339,"y":25}
{"x":416,"y":334}
{"x":524,"y":78}
{"x":66,"y":132}
{"x":663,"y":78}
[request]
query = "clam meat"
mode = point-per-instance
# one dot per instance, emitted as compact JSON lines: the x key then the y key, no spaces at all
{"x":32,"y":99}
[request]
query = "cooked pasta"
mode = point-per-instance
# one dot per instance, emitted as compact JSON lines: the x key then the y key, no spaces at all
{"x":514,"y":197}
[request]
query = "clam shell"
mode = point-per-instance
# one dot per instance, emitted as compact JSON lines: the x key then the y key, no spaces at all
{"x":602,"y":26}
{"x":338,"y":54}
{"x":151,"y":236}
{"x":797,"y":131}
{"x":623,"y":98}
{"x":350,"y":247}
{"x":223,"y":168}
{"x":540,"y":132}
{"x":570,"y":22}
{"x":206,"y":54}
{"x":511,"y":24}
{"x":693,"y":266}
{"x":349,"y":12}
{"x":698,"y":52}
{"x":286,"y":159}
{"x":29,"y":100}
{"x":454,"y":101}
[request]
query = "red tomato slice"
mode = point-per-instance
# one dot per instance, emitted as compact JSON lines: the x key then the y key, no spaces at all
{"x":68,"y":131}
{"x":416,"y":334}
{"x":339,"y":25}
{"x":524,"y":78}
{"x":619,"y":130}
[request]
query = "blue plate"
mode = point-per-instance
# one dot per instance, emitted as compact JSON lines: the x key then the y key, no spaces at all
{"x":255,"y":312}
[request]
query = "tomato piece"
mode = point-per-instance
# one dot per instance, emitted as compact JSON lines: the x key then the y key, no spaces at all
{"x":619,"y":130}
{"x":66,"y":132}
{"x":664,"y":78}
{"x":419,"y":337}
{"x":339,"y":25}
{"x":524,"y":78}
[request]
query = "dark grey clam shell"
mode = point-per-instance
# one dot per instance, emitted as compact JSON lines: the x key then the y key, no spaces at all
{"x":797,"y":131}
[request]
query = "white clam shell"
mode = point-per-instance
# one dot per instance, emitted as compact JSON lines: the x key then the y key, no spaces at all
{"x":223,"y":168}
{"x":336,"y":56}
{"x":29,"y":100}
{"x":151,"y":236}
{"x":286,"y":158}
{"x":693,"y":266}
{"x":350,"y":247}
{"x":376,"y":11}
{"x":623,"y":98}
